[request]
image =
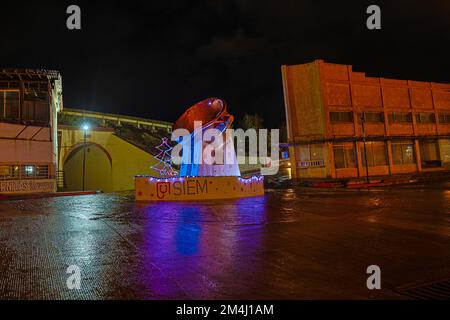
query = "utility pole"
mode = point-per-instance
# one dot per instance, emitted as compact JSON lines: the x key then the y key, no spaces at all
{"x":363,"y":120}
{"x":85,"y":129}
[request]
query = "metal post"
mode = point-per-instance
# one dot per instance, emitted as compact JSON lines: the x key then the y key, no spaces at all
{"x":363,"y":119}
{"x":84,"y":159}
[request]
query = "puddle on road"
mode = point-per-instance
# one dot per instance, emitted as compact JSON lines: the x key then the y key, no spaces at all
{"x":9,"y":211}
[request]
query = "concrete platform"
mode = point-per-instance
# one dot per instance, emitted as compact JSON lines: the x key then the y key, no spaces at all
{"x":197,"y":188}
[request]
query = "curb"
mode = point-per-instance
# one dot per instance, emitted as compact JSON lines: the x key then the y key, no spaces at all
{"x":379,"y":184}
{"x":328,"y":185}
{"x":46,"y":195}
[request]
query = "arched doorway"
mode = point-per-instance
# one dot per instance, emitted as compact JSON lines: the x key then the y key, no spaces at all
{"x":98,"y":174}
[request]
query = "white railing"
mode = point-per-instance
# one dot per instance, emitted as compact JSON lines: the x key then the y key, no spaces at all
{"x":20,"y":172}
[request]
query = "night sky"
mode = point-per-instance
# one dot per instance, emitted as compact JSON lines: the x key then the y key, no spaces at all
{"x":153,"y":59}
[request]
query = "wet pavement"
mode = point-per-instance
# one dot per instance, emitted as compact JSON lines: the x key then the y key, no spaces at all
{"x":289,"y":244}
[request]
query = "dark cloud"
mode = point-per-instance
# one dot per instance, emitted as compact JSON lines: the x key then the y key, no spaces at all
{"x":153,"y":59}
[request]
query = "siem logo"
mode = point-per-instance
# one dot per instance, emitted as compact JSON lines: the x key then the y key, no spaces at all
{"x":162,"y":188}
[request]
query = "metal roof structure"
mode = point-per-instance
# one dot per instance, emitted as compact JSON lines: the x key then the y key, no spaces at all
{"x":28,"y":74}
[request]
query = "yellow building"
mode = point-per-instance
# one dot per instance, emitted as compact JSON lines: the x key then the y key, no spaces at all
{"x":117,"y":148}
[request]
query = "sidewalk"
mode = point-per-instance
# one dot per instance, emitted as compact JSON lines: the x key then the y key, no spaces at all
{"x":375,"y":181}
{"x":8,"y":197}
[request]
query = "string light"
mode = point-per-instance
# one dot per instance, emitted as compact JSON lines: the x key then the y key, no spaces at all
{"x":164,"y":166}
{"x":167,"y":179}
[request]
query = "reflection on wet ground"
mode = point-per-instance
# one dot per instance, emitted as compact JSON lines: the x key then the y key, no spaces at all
{"x":289,"y":244}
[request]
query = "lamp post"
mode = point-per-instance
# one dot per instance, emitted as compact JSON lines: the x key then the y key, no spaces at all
{"x":85,"y":128}
{"x":363,"y":119}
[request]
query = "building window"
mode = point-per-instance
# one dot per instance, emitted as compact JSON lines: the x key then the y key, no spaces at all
{"x":311,"y":155}
{"x":28,"y":171}
{"x":400,"y":117}
{"x":376,"y":154}
{"x":315,"y":152}
{"x":403,"y":152}
{"x":429,"y":153}
{"x":8,"y":172}
{"x":425,"y":118}
{"x":42,"y":172}
{"x":341,"y":116}
{"x":9,"y":105}
{"x":372,"y":117}
{"x":18,"y":172}
{"x":36,"y":109}
{"x":344,"y":155}
{"x":444,"y":117}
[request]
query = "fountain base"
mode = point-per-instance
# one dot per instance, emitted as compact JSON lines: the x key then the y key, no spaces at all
{"x":197,"y":188}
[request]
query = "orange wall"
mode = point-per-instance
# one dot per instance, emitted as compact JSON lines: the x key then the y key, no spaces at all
{"x":314,"y":89}
{"x":303,"y":98}
{"x":346,"y":90}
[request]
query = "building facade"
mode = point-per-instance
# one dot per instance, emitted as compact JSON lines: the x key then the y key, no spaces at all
{"x":116,"y":149}
{"x":331,"y":110}
{"x":29,"y":103}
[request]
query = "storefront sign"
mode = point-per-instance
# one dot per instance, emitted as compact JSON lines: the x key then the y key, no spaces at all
{"x":27,"y":186}
{"x":180,"y":188}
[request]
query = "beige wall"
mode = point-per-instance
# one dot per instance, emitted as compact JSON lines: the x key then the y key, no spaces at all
{"x":109,"y":154}
{"x":305,"y":117}
{"x":21,"y":144}
{"x":303,"y":101}
{"x":28,"y":145}
{"x":98,"y":171}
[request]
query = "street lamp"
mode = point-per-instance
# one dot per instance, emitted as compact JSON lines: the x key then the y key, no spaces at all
{"x":85,"y":128}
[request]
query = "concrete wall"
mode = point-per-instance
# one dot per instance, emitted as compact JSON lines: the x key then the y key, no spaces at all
{"x":25,"y":145}
{"x":109,"y":154}
{"x":304,"y":112}
{"x":303,"y":96}
{"x":346,"y":90}
{"x":98,"y":170}
{"x":28,"y":145}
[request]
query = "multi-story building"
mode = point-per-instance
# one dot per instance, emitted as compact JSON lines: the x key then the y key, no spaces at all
{"x":406,"y":123}
{"x":29,"y":102}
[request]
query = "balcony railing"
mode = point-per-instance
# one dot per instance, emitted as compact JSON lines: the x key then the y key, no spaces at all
{"x":24,"y":172}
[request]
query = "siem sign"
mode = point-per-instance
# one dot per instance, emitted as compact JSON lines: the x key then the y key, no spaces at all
{"x":197,"y":188}
{"x":181,"y":188}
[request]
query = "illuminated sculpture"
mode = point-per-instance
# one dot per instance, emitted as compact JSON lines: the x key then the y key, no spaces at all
{"x":203,"y":175}
{"x":212,"y":113}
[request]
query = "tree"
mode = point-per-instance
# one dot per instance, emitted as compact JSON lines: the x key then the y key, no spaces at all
{"x":251,"y":121}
